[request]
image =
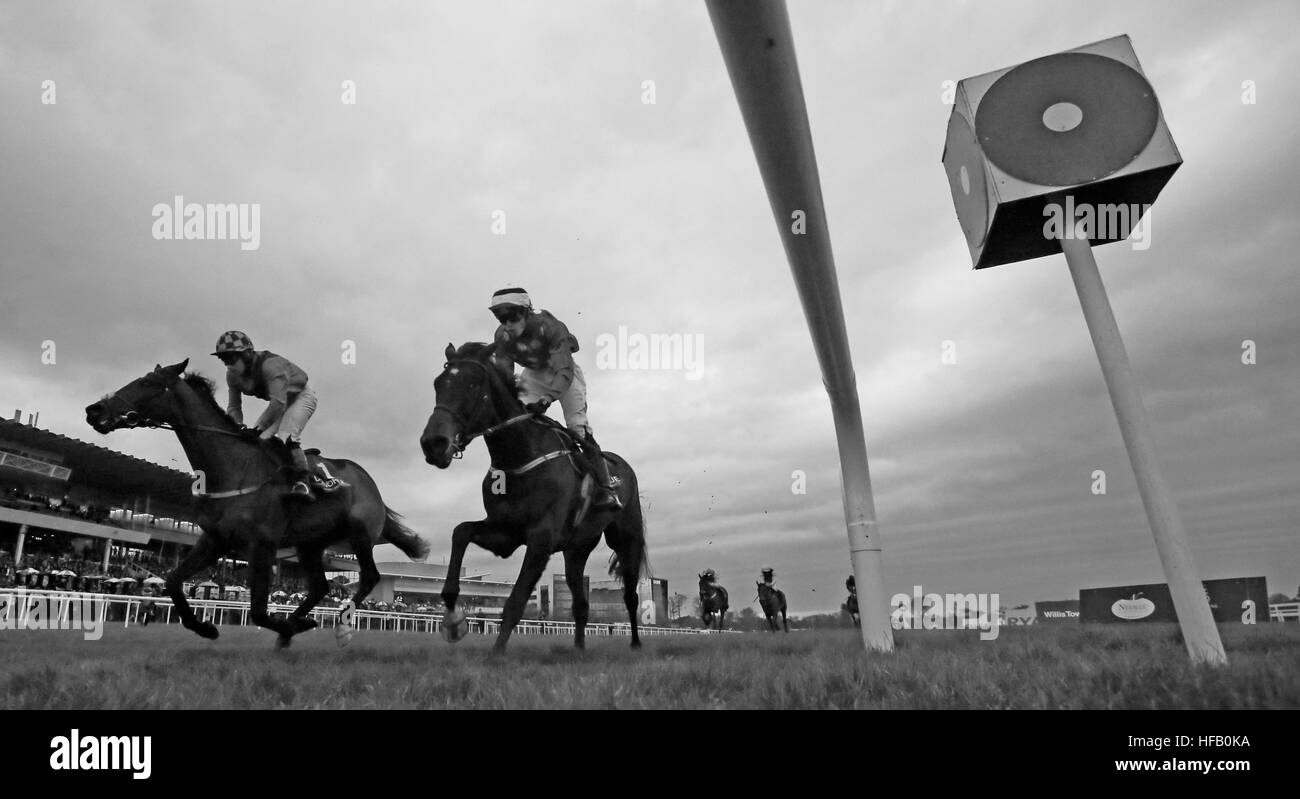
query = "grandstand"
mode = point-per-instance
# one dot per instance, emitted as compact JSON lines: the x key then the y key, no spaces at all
{"x":77,"y":516}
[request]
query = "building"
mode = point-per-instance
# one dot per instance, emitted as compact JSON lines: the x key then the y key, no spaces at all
{"x":605,"y":600}
{"x":422,"y":583}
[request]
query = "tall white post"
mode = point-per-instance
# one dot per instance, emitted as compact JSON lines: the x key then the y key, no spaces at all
{"x":1199,"y":631}
{"x":758,"y":47}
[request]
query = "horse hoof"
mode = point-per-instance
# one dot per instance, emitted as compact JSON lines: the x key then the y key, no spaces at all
{"x":283,"y":641}
{"x":636,"y":644}
{"x":455,"y":626}
{"x":208,"y":630}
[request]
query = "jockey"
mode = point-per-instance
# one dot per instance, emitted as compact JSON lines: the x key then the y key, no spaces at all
{"x":851,"y":584}
{"x":268,"y":376}
{"x":710,"y":576}
{"x":768,"y":576}
{"x":543,"y":346}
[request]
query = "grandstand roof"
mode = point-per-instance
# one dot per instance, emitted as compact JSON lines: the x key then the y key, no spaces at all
{"x":425,"y":571}
{"x":95,"y":465}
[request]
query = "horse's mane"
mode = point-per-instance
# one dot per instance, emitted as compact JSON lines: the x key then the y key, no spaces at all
{"x":200,"y":384}
{"x":479,"y":351}
{"x":205,"y":389}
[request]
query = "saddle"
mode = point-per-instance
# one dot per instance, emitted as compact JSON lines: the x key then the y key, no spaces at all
{"x":568,"y":445}
{"x":321,"y":479}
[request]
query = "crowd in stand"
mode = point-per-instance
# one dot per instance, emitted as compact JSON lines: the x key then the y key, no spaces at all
{"x":126,"y":575}
{"x":25,"y":499}
{"x":65,"y":574}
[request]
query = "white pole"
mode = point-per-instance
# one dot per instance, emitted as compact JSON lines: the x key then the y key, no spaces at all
{"x":1199,"y":631}
{"x":758,"y":47}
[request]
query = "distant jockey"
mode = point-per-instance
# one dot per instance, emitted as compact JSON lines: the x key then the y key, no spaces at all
{"x":543,"y":346}
{"x":768,"y":576}
{"x":270,"y":377}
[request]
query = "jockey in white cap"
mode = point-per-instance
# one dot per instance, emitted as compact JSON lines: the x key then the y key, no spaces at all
{"x":543,"y":346}
{"x":268,"y":376}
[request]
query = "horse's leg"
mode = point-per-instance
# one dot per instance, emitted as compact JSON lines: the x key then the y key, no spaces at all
{"x":575,"y":563}
{"x":626,"y":536}
{"x":497,"y":540}
{"x":203,"y":555}
{"x":460,"y":538}
{"x":309,"y":558}
{"x":366,"y":582}
{"x":369,"y":571}
{"x":260,"y":562}
{"x":535,"y":559}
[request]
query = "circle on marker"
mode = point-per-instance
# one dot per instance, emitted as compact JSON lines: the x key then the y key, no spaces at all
{"x":969,"y":193}
{"x":1061,"y":117}
{"x":1118,"y":116}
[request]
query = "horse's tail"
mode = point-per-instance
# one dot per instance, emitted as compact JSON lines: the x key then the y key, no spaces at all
{"x":403,"y":537}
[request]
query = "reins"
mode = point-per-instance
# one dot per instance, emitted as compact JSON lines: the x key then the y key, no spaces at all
{"x":462,"y":441}
{"x":133,"y":420}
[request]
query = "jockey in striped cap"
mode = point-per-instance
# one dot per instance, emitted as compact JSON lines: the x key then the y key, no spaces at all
{"x":544,"y":347}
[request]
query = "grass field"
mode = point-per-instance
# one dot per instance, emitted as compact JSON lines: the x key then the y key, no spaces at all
{"x":1044,"y":667}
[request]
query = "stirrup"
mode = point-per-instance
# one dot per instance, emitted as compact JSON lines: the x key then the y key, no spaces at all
{"x":609,"y":499}
{"x":301,"y":491}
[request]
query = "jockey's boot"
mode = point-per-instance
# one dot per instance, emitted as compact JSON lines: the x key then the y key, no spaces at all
{"x":607,"y":491}
{"x":301,"y":489}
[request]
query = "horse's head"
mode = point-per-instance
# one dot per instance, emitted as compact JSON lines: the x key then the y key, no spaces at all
{"x":464,"y":408}
{"x":142,"y":402}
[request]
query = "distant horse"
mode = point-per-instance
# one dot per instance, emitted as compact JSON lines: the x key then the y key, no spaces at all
{"x":245,"y":503}
{"x":851,"y":604}
{"x":713,"y":602}
{"x":534,"y":494}
{"x":773,"y":601}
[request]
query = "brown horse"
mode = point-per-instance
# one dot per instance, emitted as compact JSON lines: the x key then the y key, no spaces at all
{"x":245,"y":505}
{"x":773,"y":602}
{"x":534,"y":494}
{"x":713,"y":602}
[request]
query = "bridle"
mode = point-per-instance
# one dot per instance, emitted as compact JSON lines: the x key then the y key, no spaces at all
{"x":464,"y":439}
{"x":133,"y":419}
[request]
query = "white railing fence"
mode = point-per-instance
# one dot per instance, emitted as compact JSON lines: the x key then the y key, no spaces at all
{"x":127,"y":610}
{"x":1284,"y":611}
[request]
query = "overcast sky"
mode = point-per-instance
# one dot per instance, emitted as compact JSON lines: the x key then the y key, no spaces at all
{"x":376,"y":227}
